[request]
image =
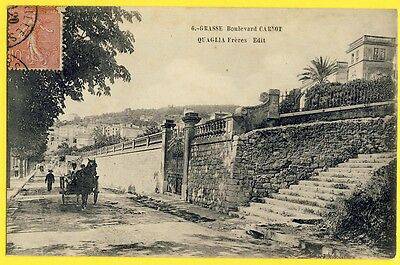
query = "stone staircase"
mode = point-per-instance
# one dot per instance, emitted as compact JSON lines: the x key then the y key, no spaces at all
{"x":306,"y":202}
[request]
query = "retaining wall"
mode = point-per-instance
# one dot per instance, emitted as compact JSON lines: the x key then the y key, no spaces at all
{"x":131,"y":171}
{"x":273,"y":158}
{"x":226,"y":174}
{"x":210,"y":173}
{"x":134,"y":165}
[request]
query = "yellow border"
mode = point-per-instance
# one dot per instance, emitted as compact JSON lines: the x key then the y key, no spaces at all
{"x":372,"y":4}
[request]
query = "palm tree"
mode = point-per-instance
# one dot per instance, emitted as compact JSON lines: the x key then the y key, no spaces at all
{"x":319,"y":71}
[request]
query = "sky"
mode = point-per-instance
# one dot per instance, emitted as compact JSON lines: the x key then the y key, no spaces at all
{"x":169,"y":66}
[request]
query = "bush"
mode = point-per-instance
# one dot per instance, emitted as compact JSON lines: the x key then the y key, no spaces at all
{"x":151,"y":129}
{"x":369,"y":215}
{"x":359,"y":91}
{"x":291,"y":103}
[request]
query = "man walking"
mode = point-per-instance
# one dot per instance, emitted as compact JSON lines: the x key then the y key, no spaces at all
{"x":50,"y":179}
{"x":16,"y":171}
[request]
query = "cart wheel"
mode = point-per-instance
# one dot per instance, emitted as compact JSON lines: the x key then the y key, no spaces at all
{"x":95,"y":196}
{"x":63,"y":198}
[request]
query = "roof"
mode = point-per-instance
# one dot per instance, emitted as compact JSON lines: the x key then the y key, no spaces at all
{"x":371,"y":39}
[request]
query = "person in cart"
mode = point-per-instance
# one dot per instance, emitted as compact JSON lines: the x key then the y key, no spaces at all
{"x":71,"y":178}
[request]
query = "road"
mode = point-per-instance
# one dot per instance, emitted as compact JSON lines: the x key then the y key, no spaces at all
{"x":123,"y":225}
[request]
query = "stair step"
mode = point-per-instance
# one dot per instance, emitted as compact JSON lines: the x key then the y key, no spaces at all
{"x":351,"y":170}
{"x":378,"y":155}
{"x":301,"y":208}
{"x":322,"y":189}
{"x":340,"y":179}
{"x":370,"y":160}
{"x":300,"y":199}
{"x":360,"y":165}
{"x":336,"y":185}
{"x":272,"y":218}
{"x":309,"y":199}
{"x":260,"y":212}
{"x":263,"y":210}
{"x":310,"y":194}
{"x":355,"y":175}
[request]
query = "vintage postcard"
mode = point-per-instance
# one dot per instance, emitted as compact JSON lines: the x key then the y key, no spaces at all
{"x":201,"y":132}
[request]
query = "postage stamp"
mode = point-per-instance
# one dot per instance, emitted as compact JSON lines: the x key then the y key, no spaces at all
{"x":34,"y":38}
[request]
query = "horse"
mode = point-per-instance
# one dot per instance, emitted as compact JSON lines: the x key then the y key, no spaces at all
{"x":87,"y":181}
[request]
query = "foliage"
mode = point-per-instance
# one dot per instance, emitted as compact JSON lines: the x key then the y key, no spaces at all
{"x":92,"y":38}
{"x":368,"y":216}
{"x":359,"y":91}
{"x":319,"y":71}
{"x":64,"y":149}
{"x":291,"y":103}
{"x":32,"y":107}
{"x":151,"y":129}
{"x":98,"y":136}
{"x":101,"y":140}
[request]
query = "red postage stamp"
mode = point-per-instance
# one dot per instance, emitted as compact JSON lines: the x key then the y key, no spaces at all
{"x":34,"y":38}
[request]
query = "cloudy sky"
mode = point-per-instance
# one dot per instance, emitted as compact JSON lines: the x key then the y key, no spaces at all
{"x":169,"y":67}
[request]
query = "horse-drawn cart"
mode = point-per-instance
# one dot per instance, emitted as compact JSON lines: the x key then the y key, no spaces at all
{"x":83,"y":182}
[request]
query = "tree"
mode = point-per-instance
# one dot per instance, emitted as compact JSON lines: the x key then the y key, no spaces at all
{"x":150,"y":129}
{"x":319,"y":71}
{"x":291,"y":103}
{"x":98,"y":136}
{"x":92,"y":38}
{"x":64,"y":149}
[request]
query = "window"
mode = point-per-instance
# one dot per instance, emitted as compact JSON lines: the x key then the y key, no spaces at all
{"x":357,"y":56}
{"x":376,"y":53}
{"x":382,"y":54}
{"x":352,"y":58}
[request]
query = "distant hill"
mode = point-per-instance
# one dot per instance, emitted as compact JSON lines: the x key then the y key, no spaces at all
{"x":146,"y":117}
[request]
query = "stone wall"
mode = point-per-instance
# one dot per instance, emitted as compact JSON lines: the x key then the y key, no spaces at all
{"x":221,"y":167}
{"x":131,"y":171}
{"x":210,"y":174}
{"x":226,"y":174}
{"x":273,"y":158}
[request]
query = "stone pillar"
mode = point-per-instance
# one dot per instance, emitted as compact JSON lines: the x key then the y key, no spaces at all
{"x":273,"y":98}
{"x":190,"y":119}
{"x":167,"y":132}
{"x":297,"y":98}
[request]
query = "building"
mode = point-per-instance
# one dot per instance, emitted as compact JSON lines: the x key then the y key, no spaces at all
{"x":125,"y":130}
{"x":146,"y":118}
{"x":71,"y":134}
{"x":341,"y":75}
{"x":111,"y":129}
{"x":130,"y":132}
{"x":370,"y":57}
{"x":84,"y":139}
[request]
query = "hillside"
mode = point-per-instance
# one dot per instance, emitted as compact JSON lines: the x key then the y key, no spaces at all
{"x":144,"y":117}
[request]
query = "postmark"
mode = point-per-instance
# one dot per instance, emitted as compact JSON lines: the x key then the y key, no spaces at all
{"x":34,"y":38}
